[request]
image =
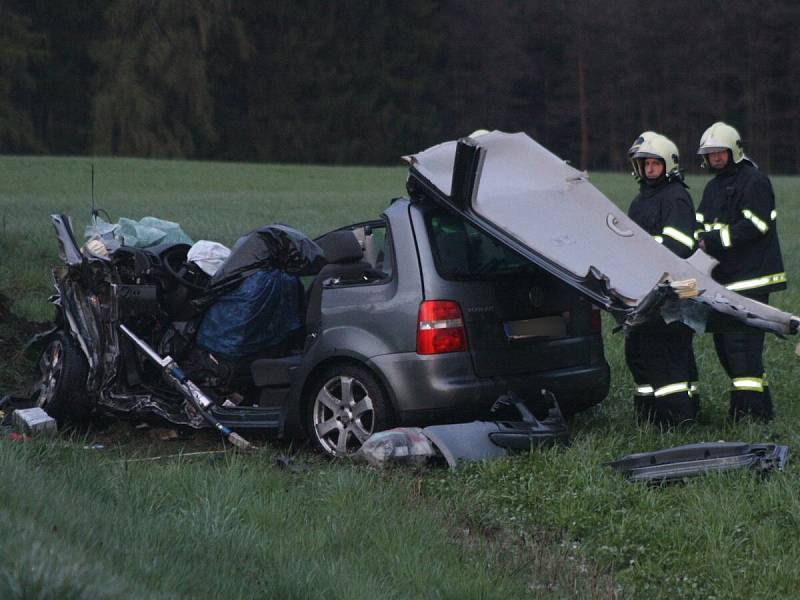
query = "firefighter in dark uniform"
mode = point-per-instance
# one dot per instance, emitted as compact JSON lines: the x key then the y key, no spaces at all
{"x":736,"y":224}
{"x":660,"y":356}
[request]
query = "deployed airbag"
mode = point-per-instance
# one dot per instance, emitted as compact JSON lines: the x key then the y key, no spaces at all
{"x":147,"y":232}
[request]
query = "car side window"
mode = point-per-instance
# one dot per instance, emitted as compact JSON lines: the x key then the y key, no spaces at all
{"x":377,"y":262}
{"x":462,"y":252}
{"x":378,"y":251}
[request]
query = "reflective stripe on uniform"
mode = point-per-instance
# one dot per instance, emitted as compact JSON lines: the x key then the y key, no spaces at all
{"x":693,"y":388}
{"x":750,"y":384}
{"x":678,"y":236}
{"x":672,"y":388}
{"x":659,"y":239}
{"x":759,"y":224}
{"x":643,"y":390}
{"x":749,"y":284}
{"x":725,"y":236}
{"x":773,"y":215}
{"x":699,"y":217}
{"x":724,"y":232}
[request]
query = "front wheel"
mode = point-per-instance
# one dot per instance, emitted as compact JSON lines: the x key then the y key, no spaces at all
{"x":61,"y":388}
{"x":346,"y":405}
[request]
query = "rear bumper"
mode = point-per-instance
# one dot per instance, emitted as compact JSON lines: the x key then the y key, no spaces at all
{"x":443,"y":388}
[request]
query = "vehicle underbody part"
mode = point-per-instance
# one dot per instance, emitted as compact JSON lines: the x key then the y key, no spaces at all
{"x":463,"y":442}
{"x":677,"y":463}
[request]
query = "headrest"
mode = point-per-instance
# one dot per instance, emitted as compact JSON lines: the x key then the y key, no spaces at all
{"x":340,"y":247}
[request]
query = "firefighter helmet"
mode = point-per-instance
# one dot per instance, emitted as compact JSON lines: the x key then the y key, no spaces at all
{"x":721,"y":136}
{"x":643,"y":137}
{"x":662,"y":148}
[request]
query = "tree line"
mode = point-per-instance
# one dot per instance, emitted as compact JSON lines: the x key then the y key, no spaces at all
{"x":365,"y":81}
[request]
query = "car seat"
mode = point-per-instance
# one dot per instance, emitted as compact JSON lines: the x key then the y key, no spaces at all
{"x":346,"y":264}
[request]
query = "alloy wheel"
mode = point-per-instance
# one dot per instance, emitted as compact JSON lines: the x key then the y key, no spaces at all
{"x":343,"y":415}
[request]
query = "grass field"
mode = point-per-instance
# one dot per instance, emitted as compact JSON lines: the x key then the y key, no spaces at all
{"x":89,"y":524}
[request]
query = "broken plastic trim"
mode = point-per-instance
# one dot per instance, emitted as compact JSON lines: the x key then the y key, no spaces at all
{"x":481,"y":440}
{"x":673,"y":464}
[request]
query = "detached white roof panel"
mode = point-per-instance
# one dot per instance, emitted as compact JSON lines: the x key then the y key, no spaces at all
{"x":540,"y":206}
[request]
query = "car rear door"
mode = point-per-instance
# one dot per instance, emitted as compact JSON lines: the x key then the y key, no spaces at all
{"x":518,"y":318}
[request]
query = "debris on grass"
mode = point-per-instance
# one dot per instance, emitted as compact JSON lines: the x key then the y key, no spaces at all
{"x":460,"y":443}
{"x":287,"y":463}
{"x":400,"y":446}
{"x":673,"y":464}
{"x":165,"y":434}
{"x":34,"y":421}
{"x":180,"y":455}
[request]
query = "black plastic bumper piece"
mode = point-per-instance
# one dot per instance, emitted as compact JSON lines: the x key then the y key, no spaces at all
{"x":249,"y":417}
{"x":677,"y":463}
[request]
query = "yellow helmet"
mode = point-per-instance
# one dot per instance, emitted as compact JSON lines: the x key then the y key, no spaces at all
{"x":478,"y":133}
{"x":721,"y":136}
{"x":661,"y":147}
{"x":643,"y":137}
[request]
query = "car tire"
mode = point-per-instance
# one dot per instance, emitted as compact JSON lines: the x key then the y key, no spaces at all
{"x":345,"y":405}
{"x":61,"y":389}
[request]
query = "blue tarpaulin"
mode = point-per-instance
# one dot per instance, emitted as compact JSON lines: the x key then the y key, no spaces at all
{"x":260,"y":312}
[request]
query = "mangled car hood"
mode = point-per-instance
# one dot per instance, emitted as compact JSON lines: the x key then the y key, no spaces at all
{"x":535,"y":203}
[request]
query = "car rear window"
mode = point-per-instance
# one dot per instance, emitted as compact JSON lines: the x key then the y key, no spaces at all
{"x":462,"y":252}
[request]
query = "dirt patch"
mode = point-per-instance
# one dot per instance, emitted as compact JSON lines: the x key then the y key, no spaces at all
{"x":15,"y":368}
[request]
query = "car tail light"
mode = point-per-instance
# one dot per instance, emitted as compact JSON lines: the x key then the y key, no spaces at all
{"x":440,"y":328}
{"x":596,"y":324}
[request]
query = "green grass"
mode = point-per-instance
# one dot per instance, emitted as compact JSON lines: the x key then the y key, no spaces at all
{"x":82,"y":524}
{"x":553,"y":522}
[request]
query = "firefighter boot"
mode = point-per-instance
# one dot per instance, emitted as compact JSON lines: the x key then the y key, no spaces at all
{"x":674,"y":409}
{"x":755,"y":405}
